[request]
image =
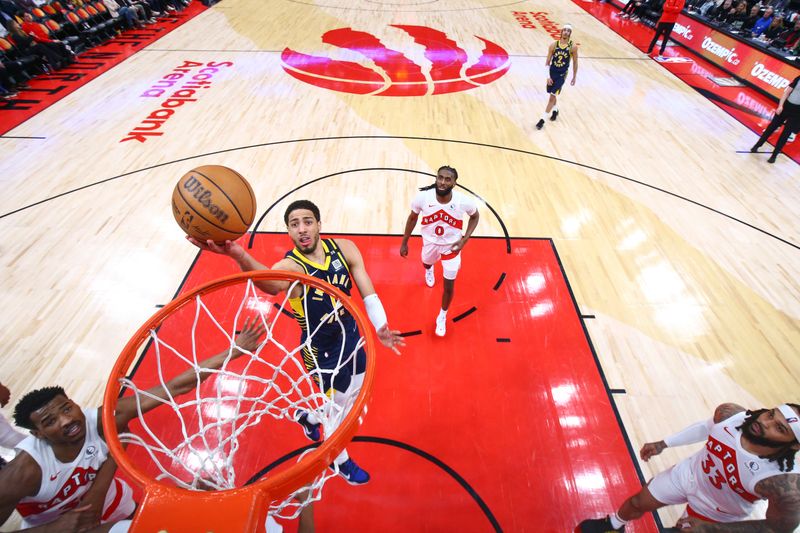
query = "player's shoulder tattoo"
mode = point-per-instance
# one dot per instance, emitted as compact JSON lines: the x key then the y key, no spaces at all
{"x":727,"y":410}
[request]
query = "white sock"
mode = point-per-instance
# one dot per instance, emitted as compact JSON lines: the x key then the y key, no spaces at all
{"x":555,"y":108}
{"x":546,"y":114}
{"x":342,"y":457}
{"x":616,"y":521}
{"x":442,"y":314}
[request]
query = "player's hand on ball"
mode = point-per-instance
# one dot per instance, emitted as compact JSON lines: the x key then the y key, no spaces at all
{"x":651,"y":449}
{"x":391,"y":338}
{"x":403,"y":250}
{"x":229,"y":248}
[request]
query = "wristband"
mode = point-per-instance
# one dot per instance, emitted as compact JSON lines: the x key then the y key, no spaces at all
{"x":375,"y":311}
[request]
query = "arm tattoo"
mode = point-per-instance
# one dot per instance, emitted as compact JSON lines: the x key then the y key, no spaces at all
{"x":725,"y":411}
{"x":783,"y":515}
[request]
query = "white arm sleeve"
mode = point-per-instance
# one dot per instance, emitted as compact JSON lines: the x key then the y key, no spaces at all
{"x":9,"y":437}
{"x":375,"y":311}
{"x":697,"y":432}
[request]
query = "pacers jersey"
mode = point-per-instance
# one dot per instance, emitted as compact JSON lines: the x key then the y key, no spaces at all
{"x":559,"y":63}
{"x":442,"y":223}
{"x":64,"y":484}
{"x":726,"y":474}
{"x":315,"y":305}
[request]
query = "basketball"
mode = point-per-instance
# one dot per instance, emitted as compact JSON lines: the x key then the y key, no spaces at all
{"x":213,"y":202}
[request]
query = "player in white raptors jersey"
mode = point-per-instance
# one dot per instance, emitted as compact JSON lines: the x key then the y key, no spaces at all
{"x":442,"y":210}
{"x":748,"y":456}
{"x":62,"y":478}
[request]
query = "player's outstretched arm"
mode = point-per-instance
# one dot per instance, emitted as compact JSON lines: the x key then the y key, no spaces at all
{"x":697,"y":432}
{"x":247,"y":339}
{"x":651,"y":449}
{"x":411,"y":222}
{"x":246,"y":262}
{"x":388,"y":337}
{"x":20,"y":478}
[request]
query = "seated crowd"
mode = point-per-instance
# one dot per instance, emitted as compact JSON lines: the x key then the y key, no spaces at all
{"x":774,"y":24}
{"x":771,"y":24}
{"x":41,"y":36}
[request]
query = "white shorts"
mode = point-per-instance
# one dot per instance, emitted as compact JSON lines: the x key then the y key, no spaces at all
{"x":451,"y":262}
{"x":678,"y":485}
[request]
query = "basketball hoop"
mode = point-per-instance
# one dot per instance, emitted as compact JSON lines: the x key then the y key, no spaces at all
{"x":192,"y":455}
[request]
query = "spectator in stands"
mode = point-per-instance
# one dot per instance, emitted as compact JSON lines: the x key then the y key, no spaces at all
{"x":763,"y":23}
{"x":12,"y":78}
{"x":129,"y":14}
{"x":789,"y":38}
{"x":788,"y":115}
{"x":752,"y":18}
{"x":647,"y":6}
{"x":720,"y":13}
{"x":708,"y":7}
{"x":8,"y":10}
{"x":28,"y":45}
{"x":145,"y":11}
{"x":669,"y":16}
{"x":42,"y":36}
{"x":775,"y":29}
{"x":737,"y":17}
{"x":630,"y":8}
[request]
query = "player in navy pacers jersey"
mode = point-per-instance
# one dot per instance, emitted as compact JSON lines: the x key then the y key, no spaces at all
{"x":339,"y":262}
{"x":561,"y":54}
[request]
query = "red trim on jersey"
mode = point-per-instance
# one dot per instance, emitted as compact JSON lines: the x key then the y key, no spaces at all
{"x":115,"y":503}
{"x":730,"y":467}
{"x":78,"y":478}
{"x":694,"y":514}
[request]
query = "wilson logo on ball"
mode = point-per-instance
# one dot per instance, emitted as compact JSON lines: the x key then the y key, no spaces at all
{"x":387,"y":72}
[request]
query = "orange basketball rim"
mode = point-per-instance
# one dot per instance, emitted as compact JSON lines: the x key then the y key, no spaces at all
{"x":170,"y":509}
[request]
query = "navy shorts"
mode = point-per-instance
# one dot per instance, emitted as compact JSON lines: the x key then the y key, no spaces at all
{"x":558,"y":83}
{"x":337,"y":365}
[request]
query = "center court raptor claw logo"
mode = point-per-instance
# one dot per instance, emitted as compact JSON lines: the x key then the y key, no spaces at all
{"x":393,"y":73}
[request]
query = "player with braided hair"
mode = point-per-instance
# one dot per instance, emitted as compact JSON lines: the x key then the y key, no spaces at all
{"x":748,"y":456}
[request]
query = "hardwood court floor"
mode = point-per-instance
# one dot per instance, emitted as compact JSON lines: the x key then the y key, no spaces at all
{"x":685,"y":253}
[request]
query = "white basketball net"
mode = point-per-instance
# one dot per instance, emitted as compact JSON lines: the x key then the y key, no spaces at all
{"x":224,"y":415}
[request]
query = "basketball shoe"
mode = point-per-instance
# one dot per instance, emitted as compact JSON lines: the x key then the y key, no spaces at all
{"x":554,"y":114}
{"x":351,"y":472}
{"x":311,"y":430}
{"x":540,"y":124}
{"x":441,"y":326}
{"x":597,"y":525}
{"x":429,"y":278}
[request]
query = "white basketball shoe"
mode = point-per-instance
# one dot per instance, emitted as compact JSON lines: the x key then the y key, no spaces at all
{"x":429,"y":279}
{"x":441,"y":325}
